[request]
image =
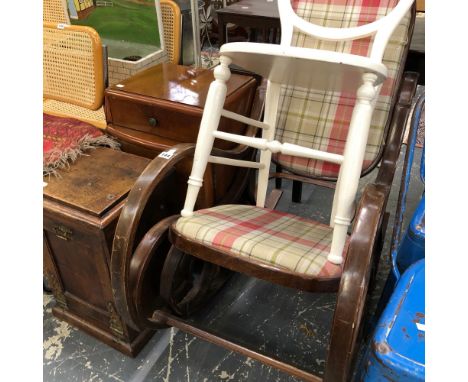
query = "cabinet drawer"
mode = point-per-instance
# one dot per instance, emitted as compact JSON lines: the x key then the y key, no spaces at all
{"x":173,"y":121}
{"x":154,"y":119}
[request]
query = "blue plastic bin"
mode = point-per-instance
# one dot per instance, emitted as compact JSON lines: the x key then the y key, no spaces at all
{"x":397,"y":349}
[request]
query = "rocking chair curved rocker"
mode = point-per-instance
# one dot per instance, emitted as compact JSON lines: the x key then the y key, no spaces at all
{"x":260,"y":242}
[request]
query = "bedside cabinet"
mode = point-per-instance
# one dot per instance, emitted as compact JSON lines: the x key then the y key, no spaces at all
{"x":163,"y":105}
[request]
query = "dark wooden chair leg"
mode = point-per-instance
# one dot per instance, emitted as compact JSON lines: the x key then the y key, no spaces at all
{"x":265,"y":35}
{"x":273,"y":36}
{"x":297,"y":191}
{"x":253,"y":35}
{"x":278,"y":181}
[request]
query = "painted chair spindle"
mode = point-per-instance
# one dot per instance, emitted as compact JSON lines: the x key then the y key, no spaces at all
{"x":209,"y":123}
{"x":351,"y":167}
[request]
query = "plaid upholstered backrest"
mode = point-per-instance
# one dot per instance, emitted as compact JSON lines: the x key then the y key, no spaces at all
{"x":320,"y":120}
{"x":73,"y":65}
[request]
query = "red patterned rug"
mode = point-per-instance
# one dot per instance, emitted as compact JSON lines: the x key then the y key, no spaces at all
{"x":65,"y":139}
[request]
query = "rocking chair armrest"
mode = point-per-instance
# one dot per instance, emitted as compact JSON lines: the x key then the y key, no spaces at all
{"x":130,"y":221}
{"x":391,"y":153}
{"x":354,"y":283}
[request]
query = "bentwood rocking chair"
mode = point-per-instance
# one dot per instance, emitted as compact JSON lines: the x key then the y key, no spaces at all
{"x":278,"y":247}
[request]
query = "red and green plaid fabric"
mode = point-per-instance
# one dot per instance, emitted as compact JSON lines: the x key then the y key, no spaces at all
{"x":283,"y":240}
{"x":320,"y":120}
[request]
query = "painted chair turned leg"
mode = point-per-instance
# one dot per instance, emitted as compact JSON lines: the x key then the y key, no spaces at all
{"x":271,"y":110}
{"x":209,"y":124}
{"x":351,"y":168}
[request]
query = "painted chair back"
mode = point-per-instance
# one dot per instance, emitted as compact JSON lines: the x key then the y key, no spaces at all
{"x":320,"y":119}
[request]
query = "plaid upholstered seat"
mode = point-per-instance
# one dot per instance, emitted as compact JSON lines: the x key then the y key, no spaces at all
{"x":320,"y":120}
{"x":283,"y":240}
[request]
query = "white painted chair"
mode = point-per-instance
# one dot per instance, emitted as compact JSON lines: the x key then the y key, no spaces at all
{"x":310,"y":68}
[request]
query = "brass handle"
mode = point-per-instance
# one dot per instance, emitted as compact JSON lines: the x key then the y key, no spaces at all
{"x":153,"y":122}
{"x":62,"y":232}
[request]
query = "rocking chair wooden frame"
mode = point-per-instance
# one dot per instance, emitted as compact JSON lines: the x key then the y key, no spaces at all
{"x":139,"y":302}
{"x":135,"y":257}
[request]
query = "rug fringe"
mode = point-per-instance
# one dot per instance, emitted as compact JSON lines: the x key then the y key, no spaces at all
{"x":64,"y":158}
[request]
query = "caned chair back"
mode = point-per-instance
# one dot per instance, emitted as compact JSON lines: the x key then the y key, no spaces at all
{"x":171,"y":19}
{"x":73,"y":65}
{"x":320,"y":119}
{"x":55,"y":11}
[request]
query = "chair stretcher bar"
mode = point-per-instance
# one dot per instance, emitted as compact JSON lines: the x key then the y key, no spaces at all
{"x":235,"y":162}
{"x":246,"y":120}
{"x":275,"y":147}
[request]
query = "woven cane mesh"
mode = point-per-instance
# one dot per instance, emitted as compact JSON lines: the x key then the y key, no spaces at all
{"x":73,"y":65}
{"x":62,"y":109}
{"x":170,"y":12}
{"x":55,"y":11}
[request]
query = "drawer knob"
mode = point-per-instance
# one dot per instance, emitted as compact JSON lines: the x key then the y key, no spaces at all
{"x":153,"y":122}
